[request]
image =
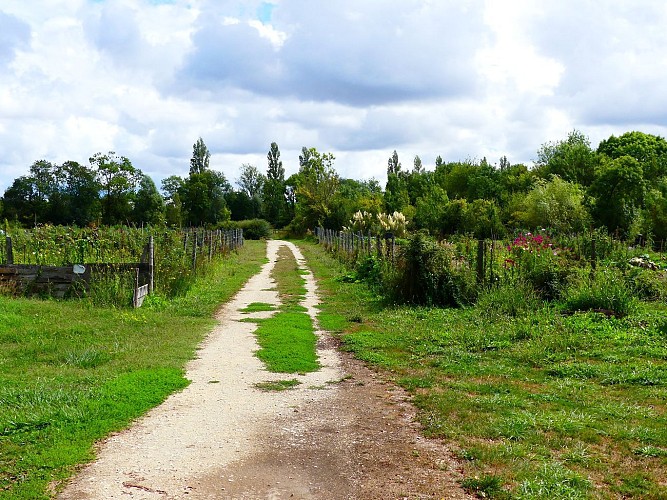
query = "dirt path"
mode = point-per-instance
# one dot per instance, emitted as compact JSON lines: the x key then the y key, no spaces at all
{"x":341,"y":434}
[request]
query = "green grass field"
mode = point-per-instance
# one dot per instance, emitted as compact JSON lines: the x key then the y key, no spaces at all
{"x":70,"y":373}
{"x":534,"y":403}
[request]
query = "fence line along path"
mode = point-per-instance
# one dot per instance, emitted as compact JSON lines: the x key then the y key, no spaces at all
{"x":29,"y":277}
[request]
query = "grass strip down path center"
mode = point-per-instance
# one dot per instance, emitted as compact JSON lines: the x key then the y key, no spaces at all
{"x":287,"y":339}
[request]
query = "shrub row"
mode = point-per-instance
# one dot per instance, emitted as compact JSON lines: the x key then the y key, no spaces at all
{"x":529,"y":270}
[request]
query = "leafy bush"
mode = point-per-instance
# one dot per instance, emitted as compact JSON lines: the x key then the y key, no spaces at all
{"x":647,"y":284}
{"x":369,"y":269}
{"x":508,"y":299}
{"x":606,"y":291}
{"x":425,"y":275}
{"x":538,"y":262}
{"x":253,"y":229}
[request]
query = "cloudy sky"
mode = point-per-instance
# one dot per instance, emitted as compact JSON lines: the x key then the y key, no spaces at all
{"x":357,"y":78}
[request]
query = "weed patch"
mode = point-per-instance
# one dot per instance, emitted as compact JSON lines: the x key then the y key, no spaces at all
{"x":278,"y":385}
{"x":258,"y":307}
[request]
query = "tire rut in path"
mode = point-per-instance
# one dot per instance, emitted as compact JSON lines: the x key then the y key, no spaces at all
{"x":342,"y":433}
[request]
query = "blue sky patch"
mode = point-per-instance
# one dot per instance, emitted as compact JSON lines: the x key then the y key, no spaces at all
{"x":265,"y":11}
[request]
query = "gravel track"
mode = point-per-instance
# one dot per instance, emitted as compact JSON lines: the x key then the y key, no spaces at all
{"x":342,"y":433}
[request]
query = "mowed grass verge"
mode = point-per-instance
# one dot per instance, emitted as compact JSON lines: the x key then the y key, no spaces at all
{"x":287,"y":339}
{"x":535,"y":404}
{"x":71,"y":373}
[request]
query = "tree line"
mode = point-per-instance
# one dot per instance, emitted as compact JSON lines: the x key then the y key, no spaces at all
{"x":620,"y":186}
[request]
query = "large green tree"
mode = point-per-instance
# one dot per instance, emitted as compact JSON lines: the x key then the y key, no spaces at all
{"x":396,"y":191}
{"x":80,"y":191}
{"x":572,"y":160}
{"x":251,"y":181}
{"x":149,"y":206}
{"x":203,"y":198}
{"x":555,"y":204}
{"x":21,"y":202}
{"x":617,"y":195}
{"x":56,"y":194}
{"x":470,"y":180}
{"x":118,"y":179}
{"x":201,"y":156}
{"x":430,"y":210}
{"x":649,"y":150}
{"x":352,"y":196}
{"x":274,"y":203}
{"x":316,"y":189}
{"x":202,"y":194}
{"x":172,"y":187}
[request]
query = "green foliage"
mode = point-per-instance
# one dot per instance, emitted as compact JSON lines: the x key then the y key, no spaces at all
{"x":647,"y":284}
{"x":62,"y":246}
{"x":316,"y":187}
{"x":555,"y":204}
{"x":649,"y":150}
{"x":605,"y":291}
{"x":486,"y":486}
{"x":572,"y":160}
{"x":149,"y":206}
{"x":425,"y":275}
{"x":618,"y":193}
{"x":370,"y":270}
{"x":430,"y":210}
{"x":396,"y":194}
{"x":656,"y":213}
{"x":112,"y":288}
{"x":537,"y":260}
{"x":117,"y":178}
{"x":481,"y":218}
{"x":355,"y":196}
{"x":254,"y":229}
{"x":508,"y":299}
{"x":65,"y":194}
{"x":470,"y":180}
{"x":201,"y":156}
{"x":203,"y":198}
{"x":274,"y":206}
{"x":247,"y":203}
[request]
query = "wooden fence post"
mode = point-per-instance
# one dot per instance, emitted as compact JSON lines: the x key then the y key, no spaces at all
{"x":135,"y":295}
{"x":194,"y":252}
{"x":481,"y":247}
{"x":151,"y":264}
{"x":210,"y":246}
{"x":10,"y":251}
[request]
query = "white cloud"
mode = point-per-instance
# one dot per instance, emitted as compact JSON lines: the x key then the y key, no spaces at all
{"x":458,"y":79}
